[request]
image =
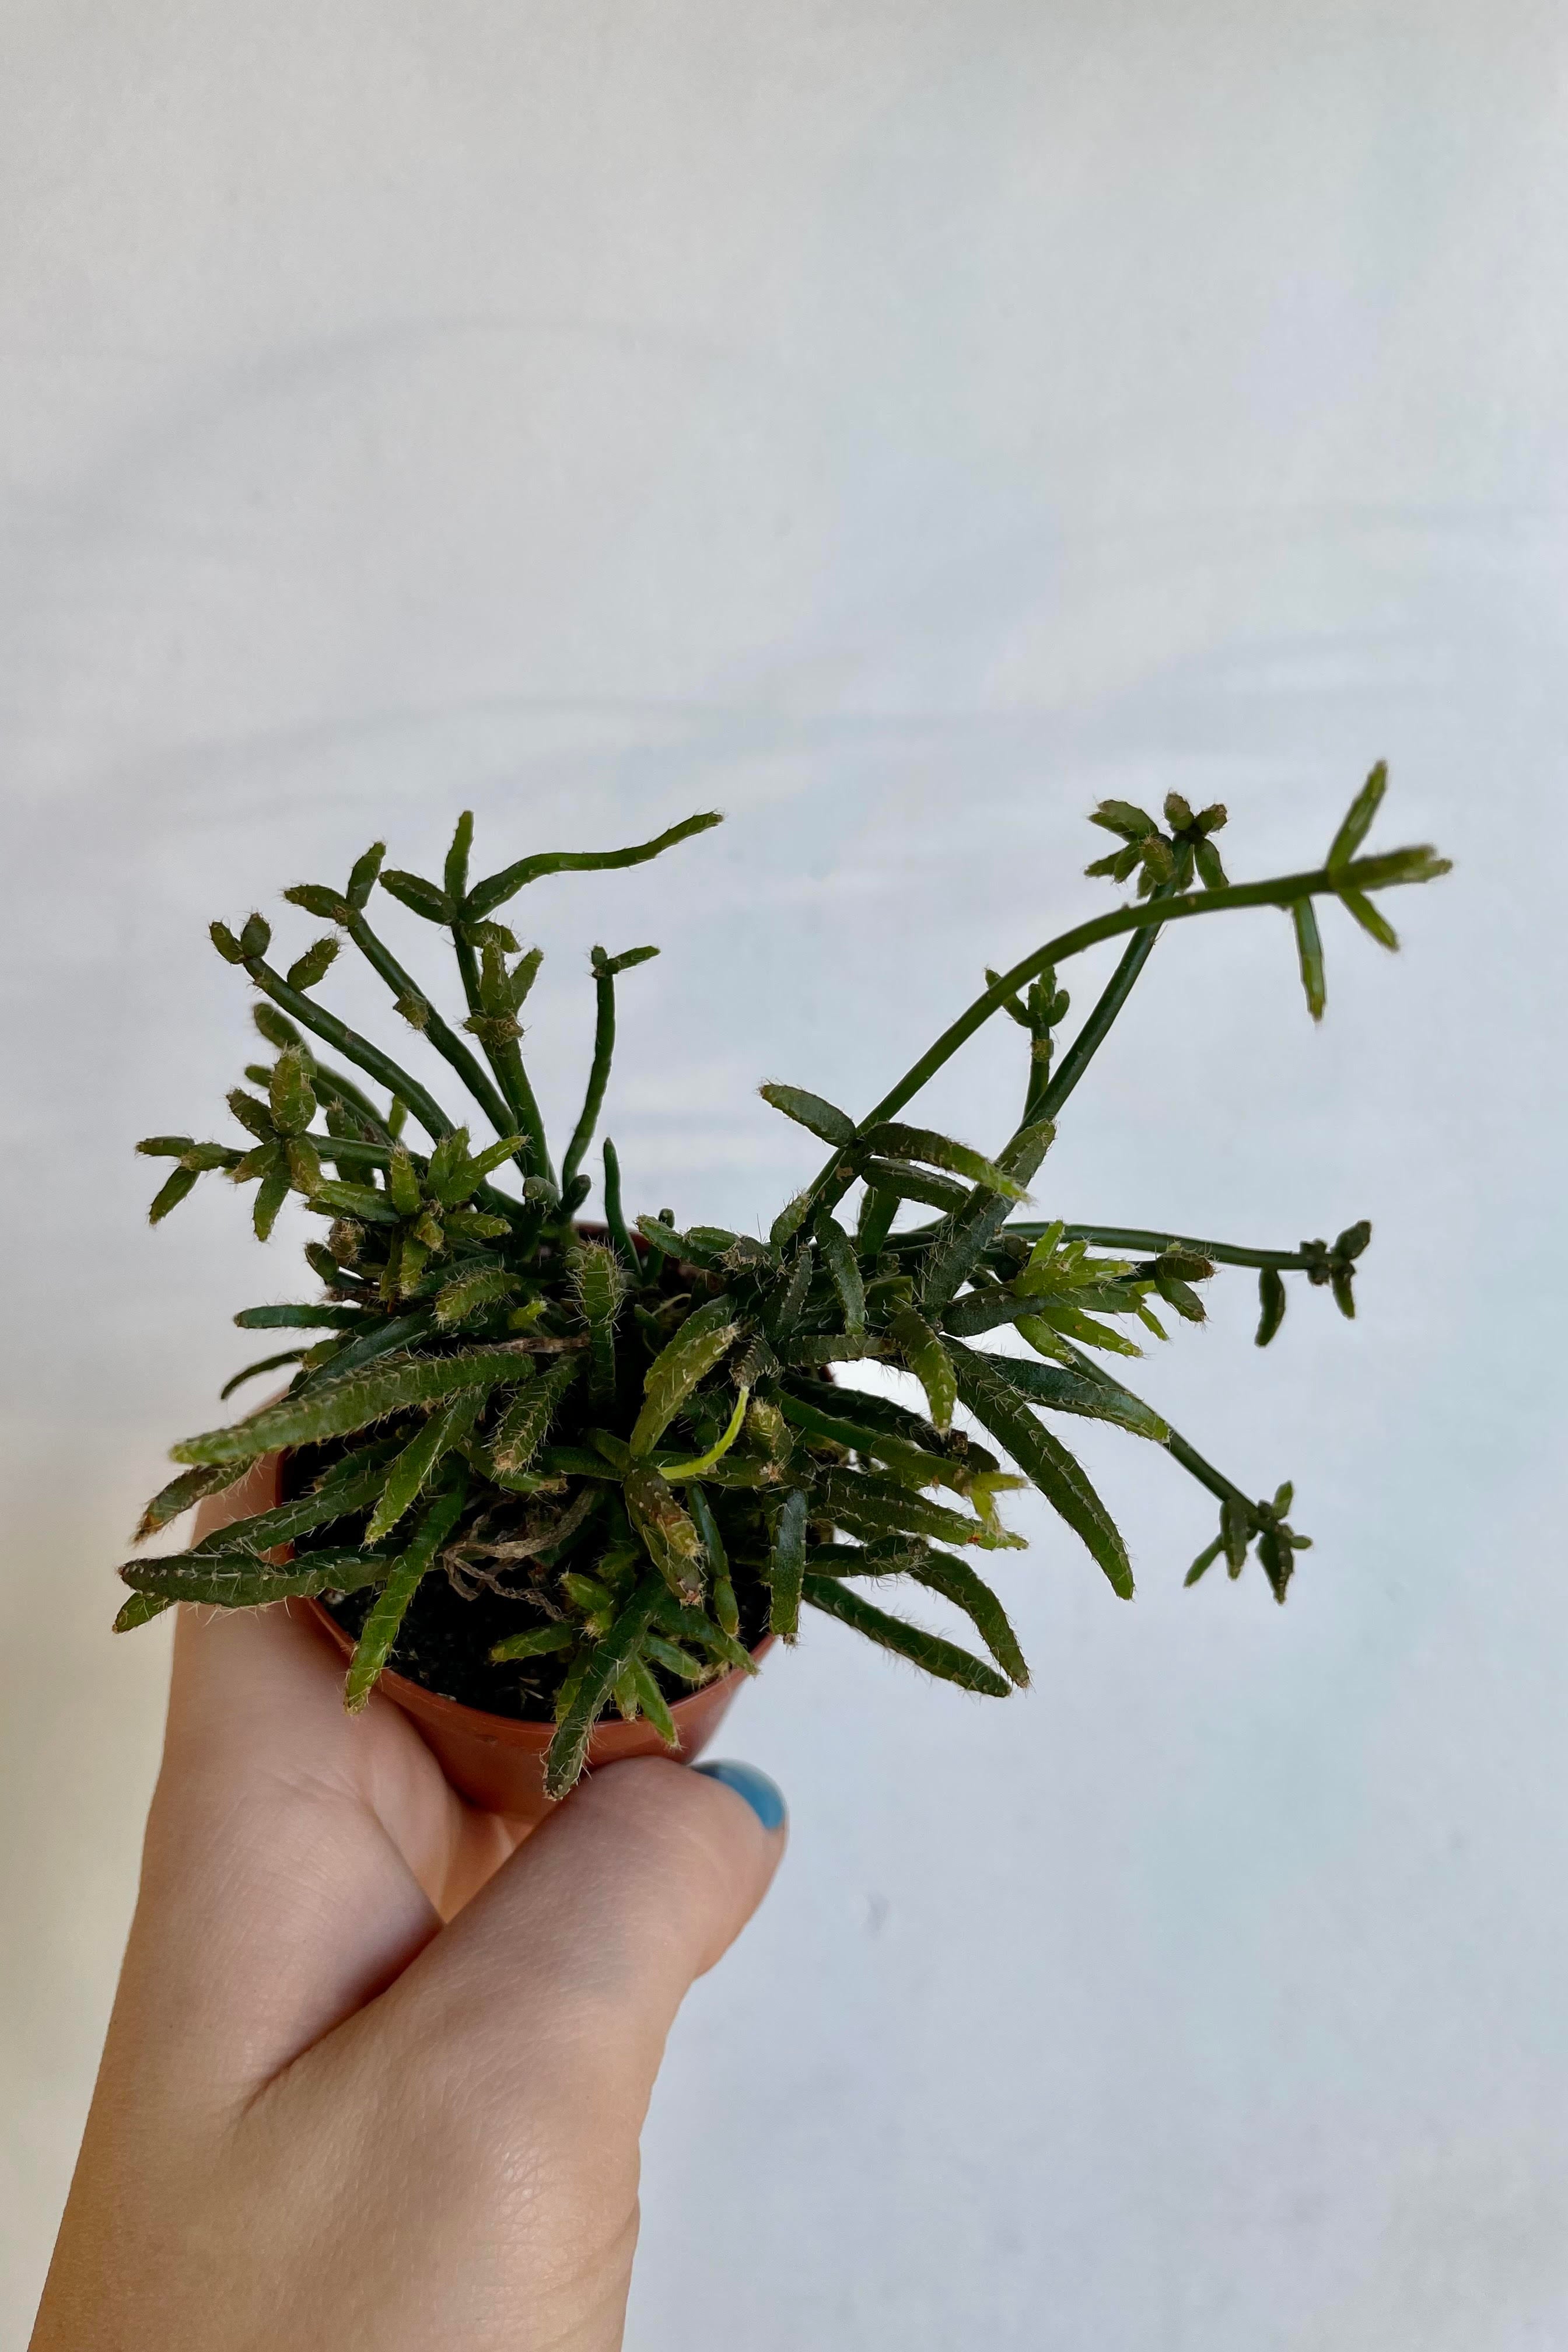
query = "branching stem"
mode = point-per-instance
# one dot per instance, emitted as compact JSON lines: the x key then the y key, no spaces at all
{"x":450,"y":1046}
{"x":497,"y":888}
{"x":1137,"y":1237}
{"x":353,"y":1046}
{"x":506,"y":1061}
{"x":1097,"y":1028}
{"x":1284,"y":890}
{"x":350,"y":1152}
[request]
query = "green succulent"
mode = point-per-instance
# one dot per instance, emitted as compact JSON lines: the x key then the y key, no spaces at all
{"x":638,"y":1444}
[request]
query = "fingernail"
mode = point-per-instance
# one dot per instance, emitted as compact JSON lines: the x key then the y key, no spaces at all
{"x":765,"y":1799}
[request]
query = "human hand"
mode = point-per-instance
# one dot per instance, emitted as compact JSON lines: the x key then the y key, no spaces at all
{"x":326,"y":2120}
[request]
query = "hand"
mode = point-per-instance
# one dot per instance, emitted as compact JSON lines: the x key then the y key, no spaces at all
{"x":327,"y":2121}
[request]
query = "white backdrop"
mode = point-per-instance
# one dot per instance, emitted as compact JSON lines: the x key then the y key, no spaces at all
{"x":896,"y":426}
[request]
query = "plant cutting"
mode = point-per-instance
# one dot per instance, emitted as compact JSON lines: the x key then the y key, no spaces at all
{"x":575,"y":1476}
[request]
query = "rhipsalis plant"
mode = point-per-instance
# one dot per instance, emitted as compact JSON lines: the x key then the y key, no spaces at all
{"x":556,"y":1468}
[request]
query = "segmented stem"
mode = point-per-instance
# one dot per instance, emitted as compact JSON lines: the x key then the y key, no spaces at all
{"x":1137,"y":1237}
{"x":357,"y":1049}
{"x":1097,"y":1028}
{"x":1283,"y":890}
{"x":450,"y":1046}
{"x":505,"y":1060}
{"x":1174,"y":1444}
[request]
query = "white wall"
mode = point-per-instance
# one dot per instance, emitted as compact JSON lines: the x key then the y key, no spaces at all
{"x":898,"y":426}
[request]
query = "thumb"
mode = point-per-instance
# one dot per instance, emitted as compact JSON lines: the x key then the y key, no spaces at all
{"x":561,"y":1980}
{"x":492,"y":2098}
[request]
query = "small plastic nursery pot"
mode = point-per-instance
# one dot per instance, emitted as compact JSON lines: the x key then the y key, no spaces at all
{"x":498,"y":1762}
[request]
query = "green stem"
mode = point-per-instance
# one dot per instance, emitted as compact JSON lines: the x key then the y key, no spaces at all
{"x":450,"y":1046}
{"x":1176,"y":1446}
{"x":598,"y":1076}
{"x":497,"y":888}
{"x":1193,"y":1462}
{"x":506,"y":1061}
{"x":1136,"y":1237}
{"x":355,"y":1049}
{"x":1363,"y":874}
{"x":614,"y":1214}
{"x":1095,"y":1029}
{"x":351,"y":1153}
{"x":331,"y":1085}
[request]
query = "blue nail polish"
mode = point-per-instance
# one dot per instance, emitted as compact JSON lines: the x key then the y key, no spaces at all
{"x":765,"y":1800}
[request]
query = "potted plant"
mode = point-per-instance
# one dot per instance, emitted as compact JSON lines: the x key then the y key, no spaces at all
{"x":558,"y":1485}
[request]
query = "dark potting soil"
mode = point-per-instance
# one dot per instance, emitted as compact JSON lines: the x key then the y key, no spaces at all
{"x":445,"y":1641}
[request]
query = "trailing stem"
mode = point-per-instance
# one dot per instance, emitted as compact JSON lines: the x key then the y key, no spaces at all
{"x":1097,"y":1026}
{"x":1386,"y":872}
{"x":1137,"y":1237}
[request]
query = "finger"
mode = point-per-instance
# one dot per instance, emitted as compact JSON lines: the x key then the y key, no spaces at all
{"x":273,"y":1899}
{"x":452,"y":1847}
{"x":557,"y":1987}
{"x":517,"y":2053}
{"x":295,"y":1857}
{"x":256,"y":1702}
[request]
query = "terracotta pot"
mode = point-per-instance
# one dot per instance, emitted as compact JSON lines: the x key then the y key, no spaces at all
{"x":498,"y":1762}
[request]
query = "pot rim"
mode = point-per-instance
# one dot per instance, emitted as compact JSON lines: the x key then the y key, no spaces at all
{"x":510,"y":1730}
